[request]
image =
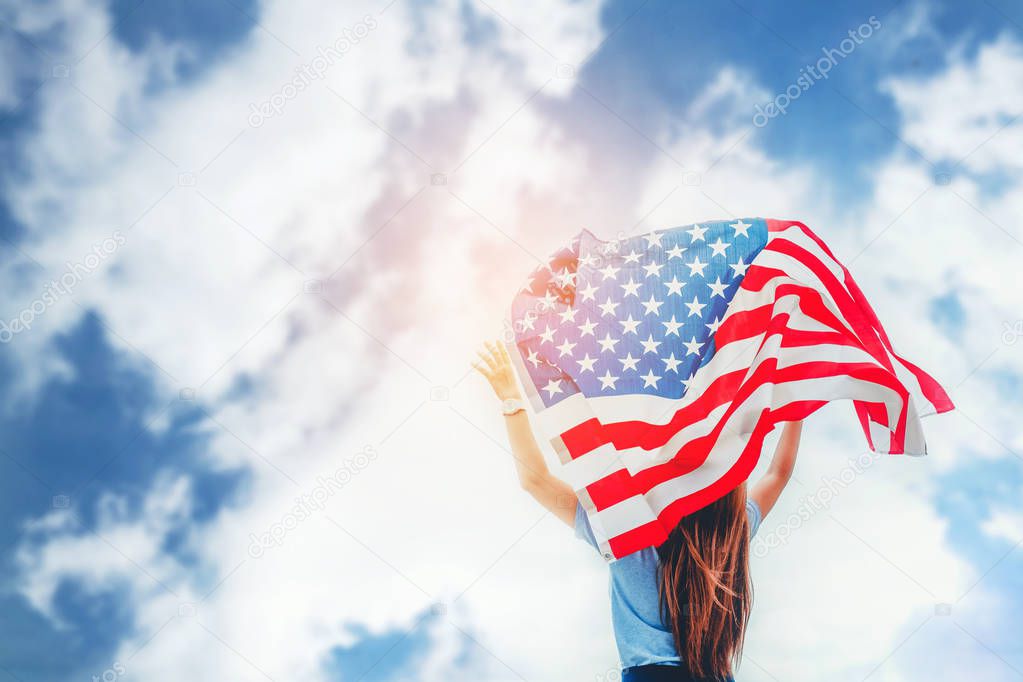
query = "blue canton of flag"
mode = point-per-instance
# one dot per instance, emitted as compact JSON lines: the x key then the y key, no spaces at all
{"x":632,"y":316}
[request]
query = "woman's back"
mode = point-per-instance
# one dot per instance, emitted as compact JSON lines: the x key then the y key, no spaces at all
{"x":641,"y":635}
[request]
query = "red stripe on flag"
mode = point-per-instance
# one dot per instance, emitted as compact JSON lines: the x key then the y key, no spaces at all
{"x":693,"y":454}
{"x":592,"y":433}
{"x":656,"y":532}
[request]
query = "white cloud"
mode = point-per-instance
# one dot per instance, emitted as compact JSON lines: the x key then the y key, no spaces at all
{"x":951,"y":118}
{"x":198,"y":278}
{"x":103,"y":560}
{"x":1005,"y":524}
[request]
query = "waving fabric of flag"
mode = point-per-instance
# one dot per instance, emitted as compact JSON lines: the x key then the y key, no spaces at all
{"x":658,"y":364}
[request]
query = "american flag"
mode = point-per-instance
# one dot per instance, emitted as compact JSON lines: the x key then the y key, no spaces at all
{"x":657,"y":364}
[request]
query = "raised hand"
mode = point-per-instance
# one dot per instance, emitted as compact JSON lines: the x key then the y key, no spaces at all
{"x":497,"y":369}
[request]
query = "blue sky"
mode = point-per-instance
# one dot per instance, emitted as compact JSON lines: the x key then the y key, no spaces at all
{"x":191,"y":385}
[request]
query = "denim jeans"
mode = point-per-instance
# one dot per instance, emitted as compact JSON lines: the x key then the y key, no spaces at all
{"x":662,"y":673}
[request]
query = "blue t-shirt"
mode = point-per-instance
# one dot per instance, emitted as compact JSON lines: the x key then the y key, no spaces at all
{"x":641,"y":637}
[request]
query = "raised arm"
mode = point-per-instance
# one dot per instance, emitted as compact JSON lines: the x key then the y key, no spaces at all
{"x":766,"y":491}
{"x":534,"y":477}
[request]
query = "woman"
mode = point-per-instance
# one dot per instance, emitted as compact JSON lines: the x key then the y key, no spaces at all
{"x":679,"y":610}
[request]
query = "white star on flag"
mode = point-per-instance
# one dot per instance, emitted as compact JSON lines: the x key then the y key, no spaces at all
{"x":650,"y":346}
{"x":741,"y":227}
{"x":739,"y":268}
{"x":675,"y":252}
{"x":568,"y":314}
{"x":695,"y":307}
{"x":608,"y":381}
{"x":631,"y":288}
{"x":653,"y":239}
{"x":719,"y":247}
{"x":697,"y":232}
{"x":674,"y":286}
{"x":653,"y":269}
{"x":629,"y":325}
{"x":671,"y":326}
{"x":607,"y":343}
{"x":586,"y":363}
{"x":609,"y":306}
{"x":692,"y":346}
{"x":653,"y":306}
{"x":717,"y":288}
{"x":553,"y":387}
{"x":649,"y":379}
{"x":671,"y":364}
{"x":696,"y":267}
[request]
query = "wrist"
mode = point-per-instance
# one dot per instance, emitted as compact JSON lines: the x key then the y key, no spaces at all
{"x":509,"y":395}
{"x":512,"y":406}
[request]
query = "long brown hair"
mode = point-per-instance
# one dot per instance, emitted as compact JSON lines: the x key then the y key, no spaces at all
{"x":704,"y":585}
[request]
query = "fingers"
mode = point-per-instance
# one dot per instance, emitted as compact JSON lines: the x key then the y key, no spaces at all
{"x":486,"y":357}
{"x":504,"y":353}
{"x":487,"y":375}
{"x":494,"y":359}
{"x":499,"y":358}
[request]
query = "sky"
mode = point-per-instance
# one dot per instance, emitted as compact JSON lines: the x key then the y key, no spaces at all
{"x":248,"y":248}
